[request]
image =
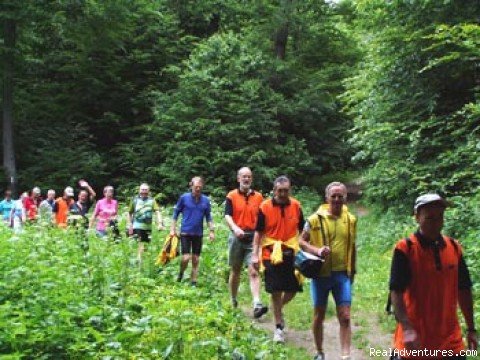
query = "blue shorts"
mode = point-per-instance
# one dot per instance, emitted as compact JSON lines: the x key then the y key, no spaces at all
{"x":338,"y":282}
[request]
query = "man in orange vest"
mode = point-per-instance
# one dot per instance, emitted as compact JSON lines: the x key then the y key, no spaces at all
{"x":428,"y":279}
{"x":280,"y":220}
{"x":241,"y":211}
{"x":62,"y":205}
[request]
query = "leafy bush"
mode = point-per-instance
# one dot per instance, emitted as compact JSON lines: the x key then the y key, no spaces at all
{"x":69,"y":295}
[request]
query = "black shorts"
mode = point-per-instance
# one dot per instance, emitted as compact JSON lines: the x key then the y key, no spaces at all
{"x":191,"y":244}
{"x":142,"y":235}
{"x":281,"y":277}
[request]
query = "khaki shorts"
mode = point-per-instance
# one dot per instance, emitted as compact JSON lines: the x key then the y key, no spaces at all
{"x":239,"y":251}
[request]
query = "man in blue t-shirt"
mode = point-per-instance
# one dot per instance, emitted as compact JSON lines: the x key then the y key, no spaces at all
{"x":6,"y":207}
{"x":194,"y":206}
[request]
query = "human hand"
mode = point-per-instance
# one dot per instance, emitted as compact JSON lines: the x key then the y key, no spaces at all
{"x":410,"y":338}
{"x":239,"y":233}
{"x":324,"y":251}
{"x":173,"y":232}
{"x":472,"y":340}
{"x":130,"y":230}
{"x":82,"y":183}
{"x":211,"y":236}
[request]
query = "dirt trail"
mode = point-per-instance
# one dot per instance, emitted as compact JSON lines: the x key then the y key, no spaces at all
{"x":363,"y":337}
{"x":331,"y":342}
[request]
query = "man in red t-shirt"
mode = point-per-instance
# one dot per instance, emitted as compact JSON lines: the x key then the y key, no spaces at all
{"x":32,"y":203}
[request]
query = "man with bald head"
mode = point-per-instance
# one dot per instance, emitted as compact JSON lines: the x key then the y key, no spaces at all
{"x":241,"y":212}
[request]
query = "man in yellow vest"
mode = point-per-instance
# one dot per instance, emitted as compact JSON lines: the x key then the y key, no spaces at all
{"x":331,"y":231}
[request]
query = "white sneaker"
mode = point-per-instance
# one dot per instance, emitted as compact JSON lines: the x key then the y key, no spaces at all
{"x":279,"y":336}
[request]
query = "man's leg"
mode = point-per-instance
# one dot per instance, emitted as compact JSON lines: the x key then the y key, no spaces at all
{"x":317,"y":327}
{"x":235,"y":261}
{"x":277,"y":298}
{"x":319,"y":290}
{"x":195,"y":263}
{"x":234,"y":281}
{"x":343,"y":314}
{"x":186,"y":245}
{"x":258,"y":308}
{"x":287,"y":297}
{"x":141,"y":250}
{"x":254,"y":279}
{"x":342,"y":293}
{"x":196,"y":251}
{"x":143,"y":237}
{"x":184,"y":264}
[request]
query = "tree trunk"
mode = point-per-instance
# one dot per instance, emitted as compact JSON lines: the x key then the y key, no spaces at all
{"x":281,"y":38}
{"x":8,"y":148}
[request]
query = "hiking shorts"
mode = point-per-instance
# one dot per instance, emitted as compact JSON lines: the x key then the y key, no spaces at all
{"x":191,"y":244}
{"x":338,"y":283}
{"x":142,"y":235}
{"x":281,"y":277}
{"x":240,"y":250}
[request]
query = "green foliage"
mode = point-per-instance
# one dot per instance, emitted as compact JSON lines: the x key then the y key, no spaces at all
{"x":64,"y":295}
{"x":92,"y":77}
{"x":415,"y":100}
{"x":222,"y":115}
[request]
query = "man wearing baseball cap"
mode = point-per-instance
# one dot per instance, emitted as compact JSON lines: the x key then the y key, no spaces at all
{"x":428,"y":279}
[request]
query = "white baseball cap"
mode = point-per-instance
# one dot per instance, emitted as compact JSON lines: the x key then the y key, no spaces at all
{"x":69,"y":191}
{"x":428,"y":199}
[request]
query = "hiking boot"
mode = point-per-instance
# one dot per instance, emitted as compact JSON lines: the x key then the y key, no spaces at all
{"x":193,"y":284}
{"x":279,"y":336}
{"x":259,"y":310}
{"x":319,"y":356}
{"x":234,"y":303}
{"x":180,"y":277}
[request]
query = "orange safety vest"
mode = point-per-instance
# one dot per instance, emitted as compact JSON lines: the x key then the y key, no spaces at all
{"x":281,"y":222}
{"x":431,"y":298}
{"x":245,"y":208}
{"x":61,"y":215}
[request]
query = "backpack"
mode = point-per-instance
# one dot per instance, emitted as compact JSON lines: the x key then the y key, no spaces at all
{"x":388,"y":307}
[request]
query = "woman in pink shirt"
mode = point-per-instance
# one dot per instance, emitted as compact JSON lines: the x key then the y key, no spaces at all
{"x":105,"y":212}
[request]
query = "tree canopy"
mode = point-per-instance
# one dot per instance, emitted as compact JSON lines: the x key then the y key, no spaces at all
{"x":128,"y":91}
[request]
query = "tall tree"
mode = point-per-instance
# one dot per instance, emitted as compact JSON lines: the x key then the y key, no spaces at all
{"x":415,"y":99}
{"x":9,"y":35}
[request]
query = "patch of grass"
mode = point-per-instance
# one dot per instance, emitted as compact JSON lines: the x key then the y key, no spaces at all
{"x":70,"y":295}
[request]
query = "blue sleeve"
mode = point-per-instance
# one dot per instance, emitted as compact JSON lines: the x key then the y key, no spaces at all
{"x":208,"y":211}
{"x":178,"y":208}
{"x":1,"y":206}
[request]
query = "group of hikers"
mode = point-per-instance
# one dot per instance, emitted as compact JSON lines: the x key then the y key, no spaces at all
{"x":428,"y":277}
{"x":61,"y":211}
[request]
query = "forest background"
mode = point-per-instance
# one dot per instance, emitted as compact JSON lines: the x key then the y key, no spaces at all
{"x":383,"y":93}
{"x":379,"y":93}
{"x":121,"y":92}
